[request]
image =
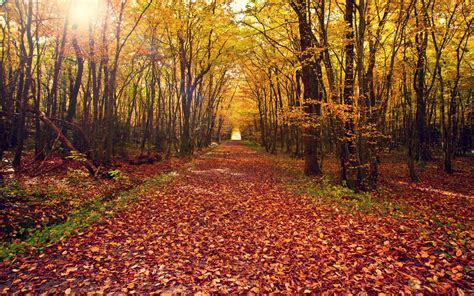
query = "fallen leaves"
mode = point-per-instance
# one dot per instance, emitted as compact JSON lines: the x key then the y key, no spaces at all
{"x":243,"y":232}
{"x":69,"y":270}
{"x":255,"y":290}
{"x":33,"y":201}
{"x":414,"y":284}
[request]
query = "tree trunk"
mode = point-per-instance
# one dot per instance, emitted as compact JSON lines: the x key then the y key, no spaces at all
{"x":311,"y":94}
{"x":419,"y":84}
{"x":27,"y":58}
{"x":349,"y":164}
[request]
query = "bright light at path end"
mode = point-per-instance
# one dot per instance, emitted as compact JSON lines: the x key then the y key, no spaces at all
{"x":236,"y":136}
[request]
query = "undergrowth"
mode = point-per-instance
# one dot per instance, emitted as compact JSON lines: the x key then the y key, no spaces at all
{"x":83,"y":216}
{"x":250,"y":143}
{"x":326,"y":190}
{"x":346,"y":198}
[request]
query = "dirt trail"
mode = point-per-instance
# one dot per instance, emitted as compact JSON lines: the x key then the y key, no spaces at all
{"x":226,"y":224}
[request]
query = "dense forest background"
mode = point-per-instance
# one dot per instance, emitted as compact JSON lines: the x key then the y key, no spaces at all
{"x":96,"y":80}
{"x":357,"y":78}
{"x":99,"y":78}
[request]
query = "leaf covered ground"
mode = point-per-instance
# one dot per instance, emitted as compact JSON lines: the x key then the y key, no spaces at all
{"x":32,"y":201}
{"x":236,"y":221}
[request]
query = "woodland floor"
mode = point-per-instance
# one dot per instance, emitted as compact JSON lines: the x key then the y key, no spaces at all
{"x":236,"y":220}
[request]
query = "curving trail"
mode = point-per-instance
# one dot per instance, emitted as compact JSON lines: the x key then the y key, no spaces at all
{"x":227,"y":224}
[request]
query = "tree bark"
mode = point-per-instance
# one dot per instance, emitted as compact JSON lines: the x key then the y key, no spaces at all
{"x":310,"y":69}
{"x":419,"y":84}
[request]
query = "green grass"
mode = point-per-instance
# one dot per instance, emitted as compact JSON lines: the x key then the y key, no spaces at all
{"x":8,"y":191}
{"x":326,"y":190}
{"x":13,"y":192}
{"x":85,"y":215}
{"x":250,"y":143}
{"x":344,"y":197}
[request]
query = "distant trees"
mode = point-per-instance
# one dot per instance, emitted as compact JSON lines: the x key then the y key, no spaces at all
{"x":112,"y":75}
{"x":380,"y":72}
{"x":349,"y":77}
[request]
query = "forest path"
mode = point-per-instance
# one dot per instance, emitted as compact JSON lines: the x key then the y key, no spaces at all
{"x":224,"y":224}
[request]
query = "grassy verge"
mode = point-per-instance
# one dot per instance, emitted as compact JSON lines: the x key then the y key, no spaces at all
{"x":326,"y":190}
{"x":251,"y":144}
{"x":34,"y":233}
{"x":345,"y":198}
{"x":86,"y":214}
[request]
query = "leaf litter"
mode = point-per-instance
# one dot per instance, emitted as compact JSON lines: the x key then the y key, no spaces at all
{"x":256,"y":236}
